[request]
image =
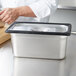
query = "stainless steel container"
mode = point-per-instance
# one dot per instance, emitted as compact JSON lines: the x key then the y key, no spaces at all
{"x":39,"y":40}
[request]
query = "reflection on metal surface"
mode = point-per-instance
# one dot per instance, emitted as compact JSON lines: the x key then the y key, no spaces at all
{"x":73,"y":33}
{"x":37,"y":67}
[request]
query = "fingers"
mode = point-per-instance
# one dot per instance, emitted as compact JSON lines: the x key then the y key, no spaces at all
{"x":9,"y":21}
{"x":3,"y":15}
{"x":9,"y":15}
{"x":1,"y":12}
{"x":5,"y":18}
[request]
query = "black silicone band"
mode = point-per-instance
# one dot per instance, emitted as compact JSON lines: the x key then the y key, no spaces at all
{"x":42,"y":33}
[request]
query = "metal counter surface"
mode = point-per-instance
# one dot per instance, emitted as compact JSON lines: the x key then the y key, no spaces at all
{"x":67,"y":4}
{"x":11,"y":66}
{"x":60,"y":7}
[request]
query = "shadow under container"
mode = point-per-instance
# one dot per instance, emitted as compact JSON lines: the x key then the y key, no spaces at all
{"x":39,"y":40}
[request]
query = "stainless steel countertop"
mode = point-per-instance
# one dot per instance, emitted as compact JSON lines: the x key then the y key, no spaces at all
{"x":60,"y":7}
{"x":11,"y":66}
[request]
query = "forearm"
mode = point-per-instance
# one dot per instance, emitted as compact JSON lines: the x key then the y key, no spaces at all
{"x":25,"y":11}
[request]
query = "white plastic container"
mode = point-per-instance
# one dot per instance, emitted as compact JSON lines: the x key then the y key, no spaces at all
{"x":39,"y":40}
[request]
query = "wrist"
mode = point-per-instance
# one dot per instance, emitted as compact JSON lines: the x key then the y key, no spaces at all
{"x":25,"y":11}
{"x":21,"y":10}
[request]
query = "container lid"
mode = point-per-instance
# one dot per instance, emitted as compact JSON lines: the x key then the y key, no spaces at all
{"x":40,"y":28}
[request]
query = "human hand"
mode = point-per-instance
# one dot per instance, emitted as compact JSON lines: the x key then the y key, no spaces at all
{"x":9,"y":15}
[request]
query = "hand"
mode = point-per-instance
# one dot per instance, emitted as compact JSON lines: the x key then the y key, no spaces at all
{"x":9,"y":15}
